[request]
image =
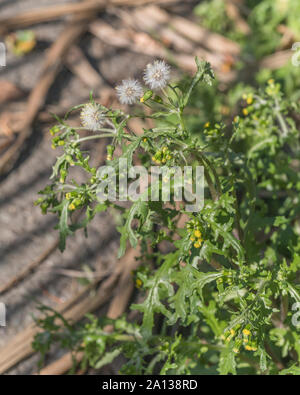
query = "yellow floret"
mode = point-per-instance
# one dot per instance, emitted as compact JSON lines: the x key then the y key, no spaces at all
{"x":197,"y":233}
{"x":246,"y":332}
{"x":138,"y":283}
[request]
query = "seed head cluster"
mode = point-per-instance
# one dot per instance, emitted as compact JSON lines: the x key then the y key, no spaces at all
{"x":156,"y":76}
{"x":92,"y":116}
{"x":129,"y":91}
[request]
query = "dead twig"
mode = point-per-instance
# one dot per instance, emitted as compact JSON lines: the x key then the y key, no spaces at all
{"x":28,"y":269}
{"x":57,"y":11}
{"x":77,"y":62}
{"x":20,"y":347}
{"x":276,"y":60}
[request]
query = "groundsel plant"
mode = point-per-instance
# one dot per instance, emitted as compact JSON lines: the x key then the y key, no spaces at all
{"x":215,"y":287}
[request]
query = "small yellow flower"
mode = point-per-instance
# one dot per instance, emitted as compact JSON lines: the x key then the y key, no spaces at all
{"x":197,"y":244}
{"x":232,"y":331}
{"x":236,"y":119}
{"x":246,"y":332}
{"x":192,"y":238}
{"x":72,"y":206}
{"x":207,"y":125}
{"x":245,"y":341}
{"x":138,"y":283}
{"x":249,"y":100}
{"x":142,"y":99}
{"x":235,"y":350}
{"x":145,"y":140}
{"x":248,"y":348}
{"x":197,"y":234}
{"x":245,"y":111}
{"x":68,"y":196}
{"x":244,"y":96}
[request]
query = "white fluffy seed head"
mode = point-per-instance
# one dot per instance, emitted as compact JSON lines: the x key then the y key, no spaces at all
{"x":129,"y":91}
{"x":157,"y":74}
{"x":92,"y":116}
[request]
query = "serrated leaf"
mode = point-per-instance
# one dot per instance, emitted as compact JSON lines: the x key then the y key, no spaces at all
{"x":227,"y":362}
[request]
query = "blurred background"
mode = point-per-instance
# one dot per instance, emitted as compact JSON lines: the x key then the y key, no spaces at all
{"x":53,"y":54}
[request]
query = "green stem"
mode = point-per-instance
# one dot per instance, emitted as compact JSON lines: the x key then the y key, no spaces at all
{"x":283,"y":125}
{"x":96,"y":136}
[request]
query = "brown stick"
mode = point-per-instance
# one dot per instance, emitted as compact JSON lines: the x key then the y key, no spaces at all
{"x":276,"y":60}
{"x":62,"y":365}
{"x":20,"y":347}
{"x":47,"y":14}
{"x":77,"y":62}
{"x":154,"y":19}
{"x":28,"y":269}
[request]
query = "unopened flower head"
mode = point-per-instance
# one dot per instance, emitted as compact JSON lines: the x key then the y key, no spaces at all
{"x":157,"y":74}
{"x":92,"y":116}
{"x":129,"y":91}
